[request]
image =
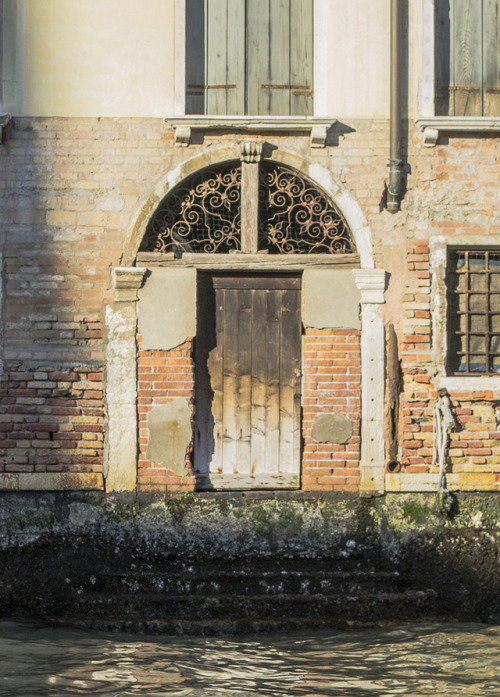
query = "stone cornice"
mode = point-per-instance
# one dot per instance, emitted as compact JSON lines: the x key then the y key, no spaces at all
{"x":432,"y":126}
{"x":316,"y":126}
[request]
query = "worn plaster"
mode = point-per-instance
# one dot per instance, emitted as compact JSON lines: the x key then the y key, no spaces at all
{"x":331,"y":299}
{"x":167,"y":308}
{"x":170,"y":434}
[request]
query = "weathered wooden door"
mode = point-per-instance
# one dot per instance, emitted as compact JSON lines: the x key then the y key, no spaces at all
{"x":247,"y":398}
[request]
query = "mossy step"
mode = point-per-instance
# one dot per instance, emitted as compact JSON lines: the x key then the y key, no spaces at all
{"x":201,"y":607}
{"x":224,"y":581}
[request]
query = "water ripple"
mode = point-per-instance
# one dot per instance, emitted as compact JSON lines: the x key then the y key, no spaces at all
{"x":450,"y":660}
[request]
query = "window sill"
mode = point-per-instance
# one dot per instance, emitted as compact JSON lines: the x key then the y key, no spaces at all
{"x":316,"y":126}
{"x":456,"y":383}
{"x":435,"y":125}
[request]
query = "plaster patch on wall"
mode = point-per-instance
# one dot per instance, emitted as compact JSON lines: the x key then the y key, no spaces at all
{"x":331,"y":428}
{"x":167,"y":308}
{"x":170,"y":434}
{"x":331,"y":299}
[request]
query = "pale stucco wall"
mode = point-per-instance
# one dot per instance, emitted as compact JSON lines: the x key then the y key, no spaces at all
{"x":359,"y":57}
{"x":89,"y":58}
{"x":116,"y":57}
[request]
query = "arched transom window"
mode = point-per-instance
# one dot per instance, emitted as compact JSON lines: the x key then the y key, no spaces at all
{"x":237,"y":206}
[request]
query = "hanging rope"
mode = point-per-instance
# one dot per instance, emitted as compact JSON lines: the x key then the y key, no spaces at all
{"x":444,"y":422}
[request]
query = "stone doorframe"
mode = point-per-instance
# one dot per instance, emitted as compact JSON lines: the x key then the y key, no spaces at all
{"x":120,"y":455}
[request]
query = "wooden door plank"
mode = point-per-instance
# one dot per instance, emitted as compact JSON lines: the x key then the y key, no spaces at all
{"x":257,"y":67}
{"x":230,"y":382}
{"x":195,"y":56}
{"x":290,"y":361}
{"x":467,"y":68}
{"x":279,"y":58}
{"x":244,"y":372}
{"x":263,"y":281}
{"x":301,"y":57}
{"x":216,"y":56}
{"x":259,"y":377}
{"x":272,"y":373}
{"x":235,"y":57}
{"x":491,"y":57}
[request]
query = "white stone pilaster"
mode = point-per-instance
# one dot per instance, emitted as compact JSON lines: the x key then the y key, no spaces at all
{"x":120,"y":457}
{"x":371,"y":284}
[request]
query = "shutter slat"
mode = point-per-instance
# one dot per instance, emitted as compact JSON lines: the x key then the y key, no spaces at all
{"x":257,"y":71}
{"x":466,"y":50}
{"x":279,"y":58}
{"x":491,"y":57}
{"x":236,"y":56}
{"x":195,"y":56}
{"x":216,"y":56}
{"x":301,"y":59}
{"x":442,"y":51}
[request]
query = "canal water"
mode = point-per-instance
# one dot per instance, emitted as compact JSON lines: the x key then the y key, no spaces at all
{"x":408,"y":660}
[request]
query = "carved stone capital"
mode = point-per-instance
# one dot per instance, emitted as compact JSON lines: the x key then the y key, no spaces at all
{"x":126,"y":283}
{"x":251,"y":150}
{"x":371,"y":284}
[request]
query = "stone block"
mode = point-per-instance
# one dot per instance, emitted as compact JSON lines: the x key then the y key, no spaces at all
{"x":331,"y":428}
{"x":331,"y":299}
{"x":170,"y":434}
{"x":167,"y":308}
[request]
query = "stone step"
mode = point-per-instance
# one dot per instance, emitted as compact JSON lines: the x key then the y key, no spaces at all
{"x":222,"y":581}
{"x":155,"y":606}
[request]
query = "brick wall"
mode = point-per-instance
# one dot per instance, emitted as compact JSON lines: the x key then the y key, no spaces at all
{"x":163,"y":376}
{"x":68,"y":190}
{"x":51,"y":421}
{"x":475,"y":447}
{"x":331,"y":384}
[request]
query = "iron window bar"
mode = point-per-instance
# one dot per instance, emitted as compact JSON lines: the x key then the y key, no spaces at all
{"x":474,"y":311}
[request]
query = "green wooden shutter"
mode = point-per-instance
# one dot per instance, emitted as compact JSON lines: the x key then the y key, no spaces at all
{"x":279,"y":70}
{"x":491,"y":57}
{"x":442,"y":55}
{"x":301,"y":57}
{"x":224,"y":57}
{"x":466,"y":69}
{"x":253,"y":57}
{"x":467,"y":57}
{"x":195,"y":56}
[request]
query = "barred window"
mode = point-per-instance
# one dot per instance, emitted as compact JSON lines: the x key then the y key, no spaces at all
{"x":474,"y":311}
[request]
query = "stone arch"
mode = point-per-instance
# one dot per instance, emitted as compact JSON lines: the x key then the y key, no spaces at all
{"x":318,"y":174}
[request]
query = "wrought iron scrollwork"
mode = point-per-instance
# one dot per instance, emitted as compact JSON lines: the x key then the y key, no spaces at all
{"x":200,"y":215}
{"x":295,"y":216}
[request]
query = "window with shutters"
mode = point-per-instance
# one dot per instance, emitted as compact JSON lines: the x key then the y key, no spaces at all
{"x":249,"y":57}
{"x":467,"y":57}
